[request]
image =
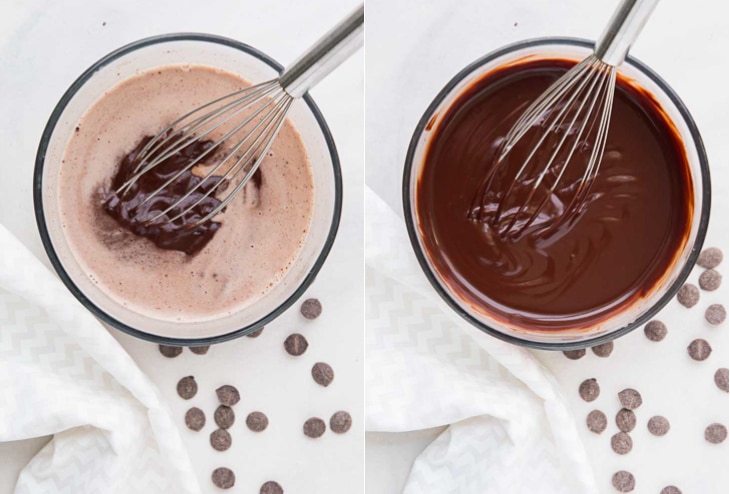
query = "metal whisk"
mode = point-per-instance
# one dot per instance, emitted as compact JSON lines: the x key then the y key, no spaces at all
{"x":567,"y":124}
{"x":255,"y":113}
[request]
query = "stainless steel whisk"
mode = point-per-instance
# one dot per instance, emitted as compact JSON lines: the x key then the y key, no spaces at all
{"x":261,"y":108}
{"x":573,"y":108}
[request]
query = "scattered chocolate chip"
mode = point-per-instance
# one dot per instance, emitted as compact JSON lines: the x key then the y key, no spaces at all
{"x":223,"y":478}
{"x":715,"y":314}
{"x":295,"y":344}
{"x":596,"y":421}
{"x":170,"y":351}
{"x":699,"y":349}
{"x":621,"y":443}
{"x":625,"y":420}
{"x":323,"y":374}
{"x":710,"y":258}
{"x":257,"y":421}
{"x":575,"y":354}
{"x":715,"y":433}
{"x":220,"y":439}
{"x":721,"y":378}
{"x":710,"y":280}
{"x":271,"y":487}
{"x":200,"y":350}
{"x":314,"y":427}
{"x":603,"y":350}
{"x":670,"y":489}
{"x":195,"y":419}
{"x":228,"y":395}
{"x":224,"y":417}
{"x":658,"y":425}
{"x":255,"y":334}
{"x":623,"y":481}
{"x":187,"y":387}
{"x":589,"y":390}
{"x":655,"y":330}
{"x":630,"y":398}
{"x":77,"y":129}
{"x":340,"y":422}
{"x":311,"y":308}
{"x":688,"y":295}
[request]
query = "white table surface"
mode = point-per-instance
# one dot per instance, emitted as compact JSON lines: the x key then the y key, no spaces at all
{"x":44,"y":46}
{"x":412,"y":51}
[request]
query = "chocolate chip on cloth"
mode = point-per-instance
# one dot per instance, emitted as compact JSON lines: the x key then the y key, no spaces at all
{"x":589,"y":390}
{"x":340,"y":422}
{"x":228,"y":395}
{"x":699,"y":349}
{"x":257,"y":421}
{"x":621,"y":443}
{"x":688,"y":295}
{"x":625,"y":420}
{"x":623,"y":481}
{"x":223,"y":478}
{"x":220,"y":439}
{"x":224,"y":416}
{"x":655,"y":330}
{"x":311,"y":308}
{"x":710,"y":258}
{"x":670,"y":489}
{"x":575,"y":354}
{"x":200,"y":350}
{"x":187,"y":387}
{"x":710,"y":280}
{"x":630,"y":398}
{"x":715,"y":433}
{"x":271,"y":487}
{"x":715,"y":314}
{"x":721,"y":378}
{"x":596,"y":421}
{"x":658,"y":425}
{"x":603,"y":350}
{"x":314,"y":427}
{"x":195,"y":419}
{"x":170,"y":351}
{"x":295,"y":344}
{"x":323,"y":374}
{"x":255,"y":334}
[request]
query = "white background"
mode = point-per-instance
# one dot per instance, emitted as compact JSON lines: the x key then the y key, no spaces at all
{"x":44,"y":46}
{"x":413,"y":50}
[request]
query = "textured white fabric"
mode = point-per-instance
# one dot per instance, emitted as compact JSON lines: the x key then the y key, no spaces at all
{"x":62,"y":373}
{"x":510,"y":431}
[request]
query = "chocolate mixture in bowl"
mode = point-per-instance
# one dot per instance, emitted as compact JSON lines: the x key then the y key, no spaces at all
{"x":625,"y":239}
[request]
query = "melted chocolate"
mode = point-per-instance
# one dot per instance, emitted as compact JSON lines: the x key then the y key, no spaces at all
{"x":556,"y":274}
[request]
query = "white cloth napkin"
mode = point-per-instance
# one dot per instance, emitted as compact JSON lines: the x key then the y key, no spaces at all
{"x":510,"y":431}
{"x":62,"y":373}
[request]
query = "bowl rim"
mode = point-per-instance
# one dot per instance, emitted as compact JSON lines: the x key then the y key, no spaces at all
{"x":446,"y":295}
{"x":40,"y":214}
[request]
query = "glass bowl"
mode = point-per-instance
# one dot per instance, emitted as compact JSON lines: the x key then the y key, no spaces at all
{"x":213,"y":51}
{"x":632,"y":316}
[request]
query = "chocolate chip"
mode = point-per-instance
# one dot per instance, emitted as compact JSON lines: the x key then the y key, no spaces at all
{"x":311,"y":308}
{"x":603,"y":350}
{"x":295,"y":344}
{"x":228,"y":395}
{"x":224,"y":416}
{"x":688,"y":295}
{"x":314,"y":427}
{"x":658,"y":425}
{"x":257,"y":421}
{"x":710,"y":280}
{"x":710,"y":258}
{"x":323,"y":374}
{"x":223,"y":478}
{"x":589,"y":390}
{"x":255,"y":334}
{"x":220,"y":439}
{"x":670,"y":489}
{"x":699,"y":349}
{"x":623,"y":481}
{"x":625,"y":420}
{"x":715,"y":314}
{"x":655,"y":330}
{"x":187,"y":387}
{"x":596,"y":421}
{"x":340,"y":422}
{"x":630,"y":398}
{"x":721,"y":378}
{"x":621,"y":443}
{"x":271,"y":487}
{"x":715,"y":433}
{"x":200,"y":350}
{"x":575,"y":354}
{"x":195,"y":419}
{"x":170,"y":351}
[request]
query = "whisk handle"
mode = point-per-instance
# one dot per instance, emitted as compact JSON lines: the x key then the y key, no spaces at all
{"x":623,"y":29}
{"x":325,"y":55}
